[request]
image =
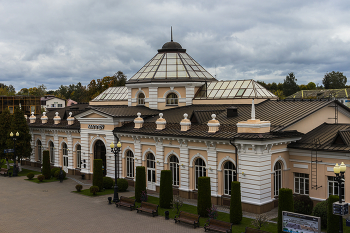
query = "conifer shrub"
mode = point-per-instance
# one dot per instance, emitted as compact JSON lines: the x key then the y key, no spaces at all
{"x":236,"y":204}
{"x":303,"y":204}
{"x":140,"y":184}
{"x":285,"y":203}
{"x":79,"y":187}
{"x":53,"y":171}
{"x":122,"y":185}
{"x":94,"y":189}
{"x":320,"y":210}
{"x":30,"y":175}
{"x":166,"y":189}
{"x":204,"y":196}
{"x":332,"y":220}
{"x":97,"y":179}
{"x":57,"y":174}
{"x":41,"y":178}
{"x":108,"y":182}
{"x":46,"y":165}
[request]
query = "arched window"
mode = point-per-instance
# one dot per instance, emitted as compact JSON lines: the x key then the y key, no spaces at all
{"x":229,"y":176}
{"x":39,"y":149}
{"x":174,"y":168}
{"x":277,"y":178}
{"x":141,"y":99}
{"x":172,"y":99}
{"x":78,"y":156}
{"x":199,"y":170}
{"x":130,"y":164}
{"x":65,"y":154}
{"x":52,"y":152}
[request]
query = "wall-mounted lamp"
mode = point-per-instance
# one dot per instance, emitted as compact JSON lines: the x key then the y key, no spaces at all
{"x":243,"y":173}
{"x":182,"y":165}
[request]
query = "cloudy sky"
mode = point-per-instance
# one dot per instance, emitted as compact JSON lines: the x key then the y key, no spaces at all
{"x":56,"y":42}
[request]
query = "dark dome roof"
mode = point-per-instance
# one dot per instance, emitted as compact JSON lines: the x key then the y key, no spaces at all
{"x":171,"y":46}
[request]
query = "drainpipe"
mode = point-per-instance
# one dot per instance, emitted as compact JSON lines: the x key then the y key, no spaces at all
{"x":236,"y":159}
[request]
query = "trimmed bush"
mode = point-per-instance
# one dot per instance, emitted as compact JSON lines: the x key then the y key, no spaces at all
{"x":236,"y":204}
{"x":46,"y":164}
{"x":41,"y":178}
{"x":30,"y":175}
{"x":94,"y":189}
{"x":140,"y":184}
{"x":166,"y":189}
{"x":57,"y":174}
{"x":53,"y":171}
{"x":78,"y":187}
{"x":285,"y":203}
{"x":332,"y":220}
{"x":320,"y":210}
{"x":108,"y":182}
{"x":303,"y":204}
{"x":98,"y":174}
{"x":122,"y":185}
{"x":204,"y":196}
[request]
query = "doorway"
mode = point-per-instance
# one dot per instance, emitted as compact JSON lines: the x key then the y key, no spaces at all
{"x":100,"y":153}
{"x":151,"y":172}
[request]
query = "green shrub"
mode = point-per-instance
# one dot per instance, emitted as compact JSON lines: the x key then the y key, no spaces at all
{"x":332,"y":220}
{"x":97,"y":179}
{"x":108,"y":182}
{"x":94,"y":189}
{"x":204,"y":196}
{"x":285,"y":203}
{"x":30,"y":175}
{"x":236,"y":204}
{"x":303,"y":204}
{"x":41,"y":178}
{"x":166,"y":189}
{"x":140,"y":184}
{"x":320,"y":210}
{"x":78,"y":187}
{"x":122,"y":185}
{"x":46,"y":164}
{"x":57,"y":174}
{"x":53,"y":171}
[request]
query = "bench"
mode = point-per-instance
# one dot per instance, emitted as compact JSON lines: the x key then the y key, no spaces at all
{"x":4,"y":171}
{"x":188,"y":218}
{"x":217,"y":225}
{"x":126,"y":202}
{"x":149,"y":208}
{"x":253,"y":230}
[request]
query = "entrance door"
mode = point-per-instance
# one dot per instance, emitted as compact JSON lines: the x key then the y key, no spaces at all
{"x":65,"y":157}
{"x":100,"y":153}
{"x":151,"y":172}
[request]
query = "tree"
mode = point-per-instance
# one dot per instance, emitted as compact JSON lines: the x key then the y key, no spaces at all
{"x":166,"y":189}
{"x":38,"y":91}
{"x":285,"y":203}
{"x":5,"y":119}
{"x":236,"y":205}
{"x":46,"y":165}
{"x":289,"y":85}
{"x":311,"y":86}
{"x":332,"y":220}
{"x":204,"y":196}
{"x":7,"y":90}
{"x":140,"y":184}
{"x":334,"y":80}
{"x":97,"y":179}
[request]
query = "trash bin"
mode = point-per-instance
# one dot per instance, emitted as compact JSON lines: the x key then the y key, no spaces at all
{"x":166,"y":215}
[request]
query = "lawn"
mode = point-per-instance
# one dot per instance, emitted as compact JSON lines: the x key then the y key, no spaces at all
{"x":35,"y":180}
{"x":24,"y":171}
{"x":86,"y":192}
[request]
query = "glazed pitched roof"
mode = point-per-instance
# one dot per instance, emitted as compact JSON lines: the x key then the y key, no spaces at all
{"x":326,"y":137}
{"x":323,"y":93}
{"x":113,"y":94}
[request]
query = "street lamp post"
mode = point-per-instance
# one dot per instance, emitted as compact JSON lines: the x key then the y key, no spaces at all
{"x":14,"y":152}
{"x":339,"y":173}
{"x":116,"y":151}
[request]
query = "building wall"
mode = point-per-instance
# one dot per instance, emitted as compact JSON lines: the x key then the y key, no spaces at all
{"x":51,"y":102}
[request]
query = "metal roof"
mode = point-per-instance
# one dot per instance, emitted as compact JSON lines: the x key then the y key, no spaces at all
{"x":113,"y":94}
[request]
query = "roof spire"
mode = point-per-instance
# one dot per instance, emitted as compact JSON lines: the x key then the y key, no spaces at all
{"x":171,"y":33}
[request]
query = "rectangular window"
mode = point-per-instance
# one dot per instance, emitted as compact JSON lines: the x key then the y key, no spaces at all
{"x":301,"y":183}
{"x":78,"y":158}
{"x":60,"y":105}
{"x":333,"y":187}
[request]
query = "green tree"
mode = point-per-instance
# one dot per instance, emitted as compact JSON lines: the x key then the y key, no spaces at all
{"x":332,"y":220}
{"x":38,"y":91}
{"x":236,"y":204}
{"x":285,"y":203}
{"x":289,"y":85}
{"x":311,"y":86}
{"x":7,"y":90}
{"x":46,"y":165}
{"x":166,"y":189}
{"x":334,"y":80}
{"x":140,"y":184}
{"x":5,"y":119}
{"x":97,"y":179}
{"x":204,"y":196}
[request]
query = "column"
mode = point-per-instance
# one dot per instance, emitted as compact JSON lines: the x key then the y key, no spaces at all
{"x":110,"y":158}
{"x":153,"y":97}
{"x":138,"y":154}
{"x":184,"y":166}
{"x":70,"y":150}
{"x":212,"y":168}
{"x":56,"y":149}
{"x":189,"y":95}
{"x":159,"y":160}
{"x":85,"y":150}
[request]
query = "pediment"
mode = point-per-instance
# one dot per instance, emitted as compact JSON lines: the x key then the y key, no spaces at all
{"x":94,"y":115}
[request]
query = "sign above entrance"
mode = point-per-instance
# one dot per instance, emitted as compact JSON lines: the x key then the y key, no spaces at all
{"x":96,"y":127}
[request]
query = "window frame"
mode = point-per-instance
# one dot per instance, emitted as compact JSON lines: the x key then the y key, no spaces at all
{"x":78,"y":156}
{"x":130,"y":164}
{"x":334,"y":187}
{"x":279,"y":175}
{"x":199,"y":171}
{"x":227,"y":173}
{"x":302,"y":177}
{"x":141,"y":100}
{"x":175,"y":170}
{"x":172,"y":101}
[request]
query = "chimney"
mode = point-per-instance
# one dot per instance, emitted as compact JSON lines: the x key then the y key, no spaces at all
{"x":44,"y":118}
{"x":32,"y":118}
{"x":161,"y":122}
{"x":70,"y":119}
{"x":57,"y":119}
{"x":138,"y":121}
{"x":232,"y":112}
{"x":185,"y":123}
{"x":213,"y":124}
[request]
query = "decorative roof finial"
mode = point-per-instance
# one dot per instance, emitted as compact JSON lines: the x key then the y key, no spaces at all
{"x":171,"y":33}
{"x":253,"y":110}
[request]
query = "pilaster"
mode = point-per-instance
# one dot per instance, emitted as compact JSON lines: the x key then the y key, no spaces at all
{"x":184,"y":166}
{"x":153,"y":97}
{"x":159,"y":159}
{"x":211,"y":168}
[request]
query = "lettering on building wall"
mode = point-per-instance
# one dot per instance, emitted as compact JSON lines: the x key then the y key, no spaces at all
{"x":96,"y":127}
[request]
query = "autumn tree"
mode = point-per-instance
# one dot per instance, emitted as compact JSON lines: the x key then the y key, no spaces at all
{"x":334,"y":80}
